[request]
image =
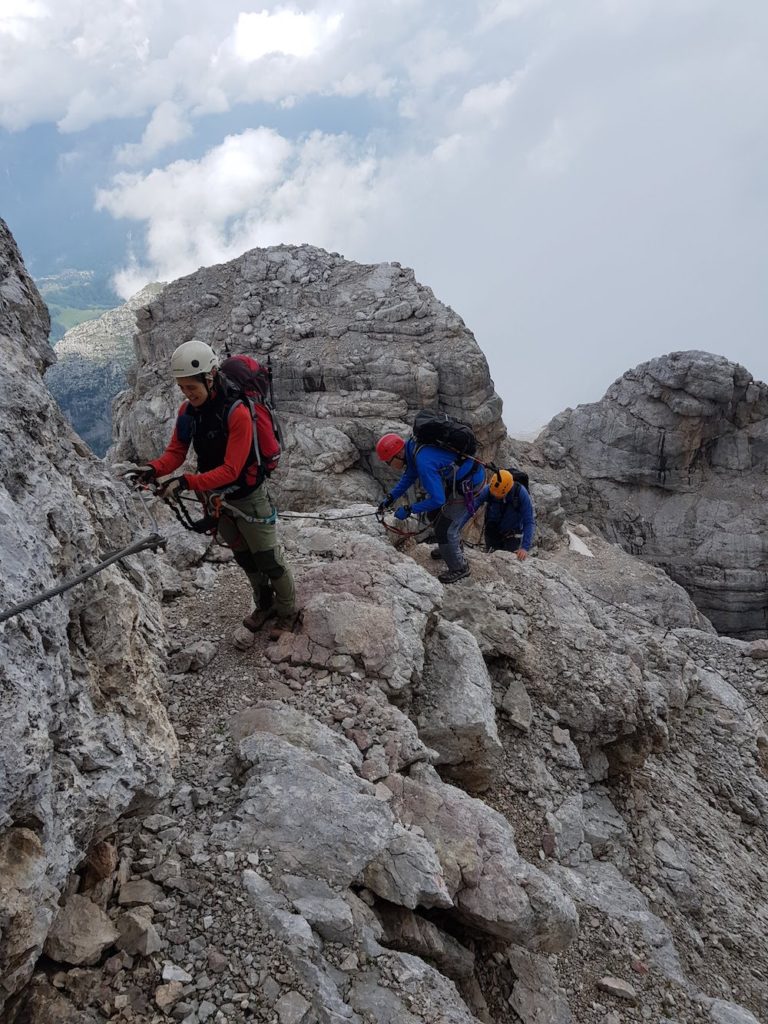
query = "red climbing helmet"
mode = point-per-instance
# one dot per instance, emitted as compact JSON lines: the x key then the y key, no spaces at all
{"x":389,"y":446}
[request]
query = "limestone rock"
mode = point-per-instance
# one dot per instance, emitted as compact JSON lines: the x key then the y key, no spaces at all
{"x":42,"y":1004}
{"x":455,"y":708}
{"x":417,"y":985}
{"x":354,"y":832}
{"x":411,"y":933}
{"x":141,"y":891}
{"x":723,"y":1012}
{"x":356,"y":350}
{"x":166,"y":996}
{"x":193,"y":657}
{"x":300,"y":729}
{"x":671,"y":464}
{"x":493,"y":888}
{"x":137,"y":933}
{"x":80,"y":933}
{"x":85,"y":733}
{"x":537,"y":997}
{"x":291,"y":1008}
{"x":365,"y":604}
{"x":617,"y":987}
{"x":517,"y":704}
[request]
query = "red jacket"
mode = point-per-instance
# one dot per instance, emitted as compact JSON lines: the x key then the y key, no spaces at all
{"x":238,"y":452}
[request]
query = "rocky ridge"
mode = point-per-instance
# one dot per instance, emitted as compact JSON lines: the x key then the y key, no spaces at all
{"x":537,"y":795}
{"x":93,"y":363}
{"x":671,"y":464}
{"x":319,"y":861}
{"x":84,"y":734}
{"x":355,"y":349}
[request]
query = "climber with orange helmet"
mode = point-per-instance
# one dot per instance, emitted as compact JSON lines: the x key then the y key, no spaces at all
{"x":448,"y":482}
{"x":509,"y":517}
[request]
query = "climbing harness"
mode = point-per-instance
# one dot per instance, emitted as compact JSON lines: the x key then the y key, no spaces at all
{"x":223,"y":507}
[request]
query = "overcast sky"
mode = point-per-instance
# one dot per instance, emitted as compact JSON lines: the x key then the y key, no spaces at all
{"x":584,"y":181}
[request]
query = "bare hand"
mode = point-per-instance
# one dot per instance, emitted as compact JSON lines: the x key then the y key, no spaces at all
{"x":521,"y":554}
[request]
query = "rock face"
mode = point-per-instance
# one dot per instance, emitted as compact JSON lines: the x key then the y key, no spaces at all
{"x":355,"y":350}
{"x":671,"y":463}
{"x":91,"y":368}
{"x":320,"y":860}
{"x":83,"y":732}
{"x":324,"y":856}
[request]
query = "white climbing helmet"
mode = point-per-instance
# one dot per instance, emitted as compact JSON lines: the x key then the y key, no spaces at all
{"x":192,"y":358}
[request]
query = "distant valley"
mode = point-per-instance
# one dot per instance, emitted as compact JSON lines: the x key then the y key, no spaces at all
{"x":74,"y":296}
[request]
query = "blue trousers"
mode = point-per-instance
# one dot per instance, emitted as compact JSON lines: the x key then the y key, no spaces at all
{"x":448,"y":527}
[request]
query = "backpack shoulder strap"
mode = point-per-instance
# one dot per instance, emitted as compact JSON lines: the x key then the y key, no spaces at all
{"x":245,"y":401}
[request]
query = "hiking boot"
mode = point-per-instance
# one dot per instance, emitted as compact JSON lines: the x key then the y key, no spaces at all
{"x":454,"y":575}
{"x":435,"y":553}
{"x":258,"y":618}
{"x":243,"y":638}
{"x":284,"y":624}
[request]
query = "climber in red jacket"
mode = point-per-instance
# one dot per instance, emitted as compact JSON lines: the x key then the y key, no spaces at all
{"x":219,"y":425}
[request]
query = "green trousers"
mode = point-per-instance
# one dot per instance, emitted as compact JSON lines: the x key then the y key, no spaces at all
{"x":258,"y":553}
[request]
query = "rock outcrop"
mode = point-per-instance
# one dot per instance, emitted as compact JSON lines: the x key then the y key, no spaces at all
{"x":671,"y":464}
{"x":83,"y":733}
{"x":354,"y":349}
{"x":541,"y":788}
{"x":93,"y":362}
{"x":320,"y":861}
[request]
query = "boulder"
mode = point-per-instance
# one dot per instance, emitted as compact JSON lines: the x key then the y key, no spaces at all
{"x":494,"y":890}
{"x":454,"y":708}
{"x":670,"y":464}
{"x":81,"y":932}
{"x":354,"y":834}
{"x":356,"y":350}
{"x":138,"y":936}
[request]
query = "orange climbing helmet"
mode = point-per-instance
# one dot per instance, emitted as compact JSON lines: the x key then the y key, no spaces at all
{"x":389,"y":446}
{"x":501,"y":483}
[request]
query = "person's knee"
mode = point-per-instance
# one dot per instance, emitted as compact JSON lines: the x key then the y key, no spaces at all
{"x":268,"y":563}
{"x":244,"y":559}
{"x":441,"y":530}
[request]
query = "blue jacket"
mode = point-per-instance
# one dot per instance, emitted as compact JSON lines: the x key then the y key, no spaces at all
{"x":434,"y":468}
{"x":511,"y":514}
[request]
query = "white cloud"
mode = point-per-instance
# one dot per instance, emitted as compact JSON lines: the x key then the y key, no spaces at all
{"x":256,"y":188}
{"x":111,"y":60}
{"x":287,"y":32}
{"x":488,"y":99}
{"x":496,"y":12}
{"x":17,"y":18}
{"x":584,"y":182}
{"x":166,"y":127}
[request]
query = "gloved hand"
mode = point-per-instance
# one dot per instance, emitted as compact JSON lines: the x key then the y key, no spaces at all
{"x":385,"y":502}
{"x":145,"y":474}
{"x":132,"y":473}
{"x":403,"y":512}
{"x":171,"y":489}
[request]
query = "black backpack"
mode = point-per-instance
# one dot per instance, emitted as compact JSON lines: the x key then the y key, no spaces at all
{"x":442,"y":430}
{"x":520,"y":477}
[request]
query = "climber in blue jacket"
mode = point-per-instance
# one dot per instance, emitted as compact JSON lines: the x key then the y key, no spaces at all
{"x":509,"y":517}
{"x":452,"y":485}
